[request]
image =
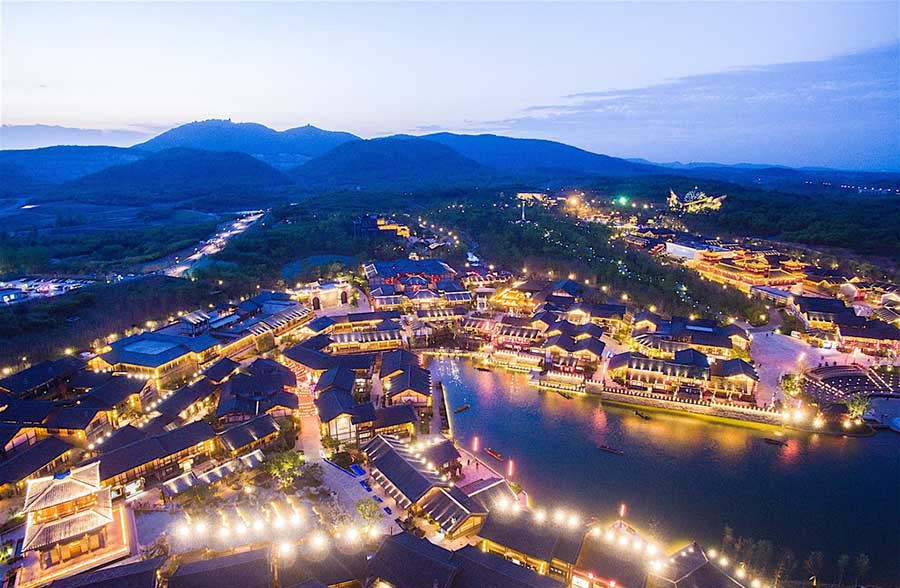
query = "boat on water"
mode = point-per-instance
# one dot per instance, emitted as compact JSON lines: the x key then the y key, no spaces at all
{"x":482,"y":368}
{"x":461,"y":408}
{"x":612,"y":450}
{"x":642,"y":415}
{"x":564,"y":395}
{"x":772,"y":441}
{"x":493,"y":454}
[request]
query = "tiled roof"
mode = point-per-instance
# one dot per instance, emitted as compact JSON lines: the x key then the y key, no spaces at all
{"x":41,"y":374}
{"x":248,"y":569}
{"x":398,"y":414}
{"x":144,"y":451}
{"x":141,"y":574}
{"x":414,"y":378}
{"x":221,"y":369}
{"x":29,"y":460}
{"x":394,"y":361}
{"x":248,"y":432}
{"x":186,"y":396}
{"x":115,"y":391}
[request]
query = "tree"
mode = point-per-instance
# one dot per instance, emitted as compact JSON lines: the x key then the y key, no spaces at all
{"x":727,"y":538}
{"x":862,"y":567}
{"x":842,"y":563}
{"x":330,"y":444}
{"x":284,"y":467}
{"x":787,"y":563}
{"x":814,"y":564}
{"x":857,"y":405}
{"x":790,"y":384}
{"x":369,"y":511}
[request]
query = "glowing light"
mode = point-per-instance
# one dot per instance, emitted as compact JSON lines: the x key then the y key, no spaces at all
{"x":295,"y":520}
{"x":352,"y":535}
{"x":184,"y":530}
{"x":741,"y":573}
{"x":559,"y":516}
{"x":573,"y":521}
{"x":318,"y":541}
{"x":540,"y":516}
{"x":723,"y":561}
{"x":286,"y":548}
{"x":712,"y":553}
{"x":200,"y":528}
{"x":279,"y":523}
{"x":257,"y":526}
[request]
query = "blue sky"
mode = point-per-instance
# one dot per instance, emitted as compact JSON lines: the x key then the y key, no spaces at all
{"x":798,"y":83}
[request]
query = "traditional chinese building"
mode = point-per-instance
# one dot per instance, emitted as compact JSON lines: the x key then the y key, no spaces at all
{"x":71,"y":526}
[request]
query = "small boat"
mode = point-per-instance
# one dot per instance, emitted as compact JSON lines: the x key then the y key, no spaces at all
{"x":493,"y":454}
{"x":612,"y":450}
{"x":459,"y":409}
{"x":564,"y":395}
{"x":771,"y":441}
{"x":482,"y":368}
{"x":642,"y":415}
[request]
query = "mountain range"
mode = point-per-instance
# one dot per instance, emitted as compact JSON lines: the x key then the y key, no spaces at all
{"x":222,"y":161}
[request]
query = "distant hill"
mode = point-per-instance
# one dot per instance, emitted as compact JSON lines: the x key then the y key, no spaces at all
{"x":538,"y":156}
{"x":60,"y":164}
{"x":403,"y":163}
{"x":282,"y":149}
{"x":178,"y":175}
{"x":15,"y":182}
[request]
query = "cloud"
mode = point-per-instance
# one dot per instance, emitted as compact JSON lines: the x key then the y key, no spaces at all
{"x":34,"y":136}
{"x":842,"y":112}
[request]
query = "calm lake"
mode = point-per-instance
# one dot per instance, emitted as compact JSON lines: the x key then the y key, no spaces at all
{"x":683,"y":476}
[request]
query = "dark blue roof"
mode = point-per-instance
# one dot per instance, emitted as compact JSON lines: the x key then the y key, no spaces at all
{"x":335,"y":401}
{"x":140,"y":574}
{"x":221,"y":369}
{"x":339,"y":377}
{"x":405,"y":561}
{"x":186,"y":396}
{"x":486,"y":570}
{"x":249,"y":569}
{"x":248,"y":432}
{"x":27,"y":462}
{"x":45,"y":373}
{"x":115,"y":391}
{"x":143,"y":451}
{"x":394,"y":361}
{"x":398,"y":414}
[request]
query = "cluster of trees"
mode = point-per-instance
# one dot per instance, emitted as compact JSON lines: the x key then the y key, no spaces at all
{"x":548,"y":243}
{"x":763,"y":559}
{"x":42,"y":329}
{"x":88,"y":252}
{"x":813,"y":215}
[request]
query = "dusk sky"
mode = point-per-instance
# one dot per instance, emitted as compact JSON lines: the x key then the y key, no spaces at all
{"x":798,"y":83}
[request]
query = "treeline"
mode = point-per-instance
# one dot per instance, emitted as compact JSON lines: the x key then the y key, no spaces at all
{"x":549,"y":243}
{"x":780,"y":566}
{"x":95,"y":251}
{"x":863,"y":223}
{"x":42,"y":329}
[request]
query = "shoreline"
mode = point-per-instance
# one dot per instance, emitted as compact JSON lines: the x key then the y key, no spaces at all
{"x":736,"y":415}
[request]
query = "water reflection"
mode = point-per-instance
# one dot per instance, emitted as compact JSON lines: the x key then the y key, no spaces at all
{"x":691,"y":475}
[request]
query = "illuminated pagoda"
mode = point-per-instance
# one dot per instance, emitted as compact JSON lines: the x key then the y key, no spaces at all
{"x":71,"y":526}
{"x":694,"y":201}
